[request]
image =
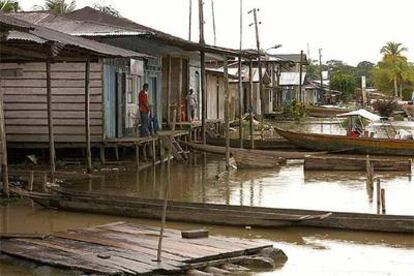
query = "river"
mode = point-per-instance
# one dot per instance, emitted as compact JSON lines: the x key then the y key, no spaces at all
{"x":202,"y":179}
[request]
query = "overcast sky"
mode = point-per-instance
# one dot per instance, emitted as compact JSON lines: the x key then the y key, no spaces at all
{"x":348,"y":30}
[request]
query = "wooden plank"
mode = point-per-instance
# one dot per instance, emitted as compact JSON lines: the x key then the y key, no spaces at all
{"x":97,"y":98}
{"x":70,"y":130}
{"x":54,"y":83}
{"x":56,"y":91}
{"x":56,"y":75}
{"x":60,"y":66}
{"x":43,"y":138}
{"x":57,"y":122}
{"x":56,"y":106}
{"x":58,"y":114}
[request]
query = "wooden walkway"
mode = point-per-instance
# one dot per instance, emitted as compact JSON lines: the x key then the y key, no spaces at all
{"x":122,"y":248}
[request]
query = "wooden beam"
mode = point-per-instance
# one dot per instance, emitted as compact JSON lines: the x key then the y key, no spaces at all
{"x":251,"y":104}
{"x":203,"y":73}
{"x":169,"y":91}
{"x":52,"y":155}
{"x":180,"y":90}
{"x":226,"y":110}
{"x":87,"y":119}
{"x":240,"y":103}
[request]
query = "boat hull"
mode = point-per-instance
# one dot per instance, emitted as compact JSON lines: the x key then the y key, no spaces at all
{"x":323,"y":142}
{"x":223,"y":214}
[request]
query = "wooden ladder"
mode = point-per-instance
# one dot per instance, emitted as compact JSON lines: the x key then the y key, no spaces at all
{"x":178,"y":152}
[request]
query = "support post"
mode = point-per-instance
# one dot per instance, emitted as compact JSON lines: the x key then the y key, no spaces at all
{"x":300,"y":77}
{"x":251,"y":104}
{"x":154,"y":156}
{"x":240,"y":103}
{"x":383,"y":201}
{"x":378,"y":188}
{"x":169,"y":80}
{"x":180,"y":90}
{"x":203,"y":73}
{"x":164,"y":209}
{"x":259,"y":66}
{"x":52,"y":155}
{"x":31,"y":181}
{"x":4,"y":163}
{"x":137,"y":156}
{"x":190,"y":13}
{"x":87,"y":119}
{"x":102,"y":155}
{"x":226,"y":110}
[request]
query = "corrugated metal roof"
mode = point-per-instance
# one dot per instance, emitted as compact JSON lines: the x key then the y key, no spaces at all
{"x":9,"y":22}
{"x":40,"y":34}
{"x":291,"y":78}
{"x":245,"y":73}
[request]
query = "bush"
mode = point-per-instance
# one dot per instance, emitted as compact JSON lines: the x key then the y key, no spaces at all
{"x":385,"y":107}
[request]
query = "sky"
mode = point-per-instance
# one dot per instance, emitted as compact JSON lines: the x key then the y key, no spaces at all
{"x":347,"y":30}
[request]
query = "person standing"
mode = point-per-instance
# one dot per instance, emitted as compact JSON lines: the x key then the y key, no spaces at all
{"x":144,"y":110}
{"x":192,"y":104}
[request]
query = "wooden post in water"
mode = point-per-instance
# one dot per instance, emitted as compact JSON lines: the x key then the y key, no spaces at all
{"x":378,"y":195}
{"x":226,"y":110}
{"x":31,"y":181}
{"x":52,"y":155}
{"x":251,"y":104}
{"x":87,"y":119}
{"x":370,"y":172}
{"x":203,"y":73}
{"x":137,"y":155}
{"x":383,"y":201}
{"x":164,"y":209}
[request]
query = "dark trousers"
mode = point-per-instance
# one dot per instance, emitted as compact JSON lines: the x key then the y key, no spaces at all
{"x":144,"y":124}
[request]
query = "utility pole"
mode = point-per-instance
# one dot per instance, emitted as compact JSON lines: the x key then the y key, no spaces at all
{"x":190,"y":12}
{"x":240,"y":78}
{"x":320,"y":68}
{"x":214,"y":22}
{"x":203,"y":73}
{"x":259,"y":61}
{"x":300,"y":76}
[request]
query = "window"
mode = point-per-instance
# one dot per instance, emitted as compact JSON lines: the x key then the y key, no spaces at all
{"x":130,"y":90}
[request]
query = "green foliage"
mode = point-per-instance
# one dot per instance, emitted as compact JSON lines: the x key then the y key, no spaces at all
{"x":9,"y":6}
{"x":60,"y":6}
{"x":344,"y":82}
{"x":297,"y":110}
{"x":107,"y":9}
{"x":385,"y":107}
{"x":394,"y":73}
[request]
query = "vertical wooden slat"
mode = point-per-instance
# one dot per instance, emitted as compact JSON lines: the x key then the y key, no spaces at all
{"x":203,"y":72}
{"x":251,"y":104}
{"x":226,"y":110}
{"x":180,"y":90}
{"x":87,"y":119}
{"x":52,"y":155}
{"x":300,"y":77}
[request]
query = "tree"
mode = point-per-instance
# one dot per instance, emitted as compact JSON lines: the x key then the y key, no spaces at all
{"x":344,"y":82}
{"x":60,"y":6}
{"x":107,"y":9}
{"x":395,"y":63}
{"x":9,"y":6}
{"x":364,"y":68}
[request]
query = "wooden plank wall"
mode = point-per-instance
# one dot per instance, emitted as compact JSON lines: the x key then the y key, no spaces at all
{"x":25,"y":103}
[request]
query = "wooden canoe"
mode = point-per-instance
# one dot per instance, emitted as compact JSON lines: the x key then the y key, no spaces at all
{"x":217,"y":213}
{"x":247,"y":159}
{"x":324,"y":112}
{"x":341,"y":143}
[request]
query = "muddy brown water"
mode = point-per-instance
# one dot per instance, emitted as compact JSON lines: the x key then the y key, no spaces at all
{"x":310,"y":251}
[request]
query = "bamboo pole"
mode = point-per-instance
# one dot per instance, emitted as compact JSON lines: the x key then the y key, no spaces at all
{"x":164,"y":209}
{"x":214,"y":22}
{"x":226,"y":110}
{"x":87,"y":119}
{"x":4,"y":163}
{"x":190,"y":12}
{"x":251,"y":104}
{"x":52,"y":155}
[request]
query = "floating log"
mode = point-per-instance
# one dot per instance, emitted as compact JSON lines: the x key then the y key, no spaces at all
{"x":344,"y":163}
{"x":217,"y":213}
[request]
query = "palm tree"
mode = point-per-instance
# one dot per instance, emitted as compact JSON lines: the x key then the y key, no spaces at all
{"x":60,"y":6}
{"x":394,"y":59}
{"x":107,"y":9}
{"x":9,"y":6}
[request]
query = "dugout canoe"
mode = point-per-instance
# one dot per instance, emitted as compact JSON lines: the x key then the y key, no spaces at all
{"x":324,"y":112}
{"x":341,"y":143}
{"x":217,"y":213}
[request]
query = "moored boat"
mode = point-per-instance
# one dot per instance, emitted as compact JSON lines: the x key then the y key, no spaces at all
{"x":342,"y":143}
{"x":218,"y":213}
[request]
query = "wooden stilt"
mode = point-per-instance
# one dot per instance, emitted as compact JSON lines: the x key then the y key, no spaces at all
{"x":87,"y":119}
{"x":383,"y":201}
{"x":164,"y":209}
{"x":44,"y":183}
{"x":227,"y":110}
{"x":180,"y":90}
{"x":169,"y":91}
{"x":154,"y":155}
{"x":4,"y":162}
{"x":31,"y":181}
{"x":137,"y":155}
{"x":240,"y":102}
{"x":378,"y":195}
{"x":251,"y":104}
{"x":102,"y":155}
{"x":116,"y":153}
{"x":52,"y":156}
